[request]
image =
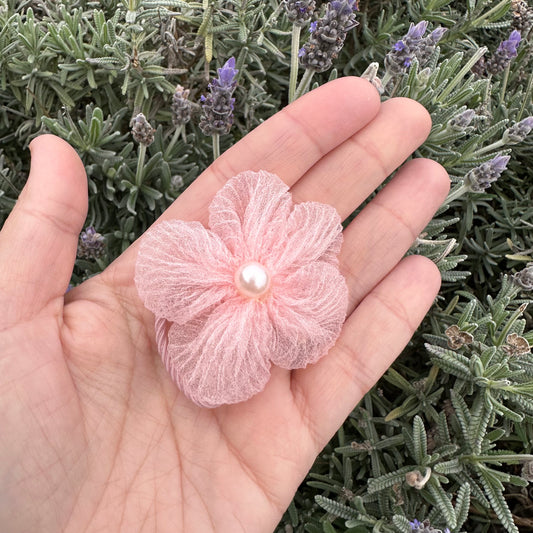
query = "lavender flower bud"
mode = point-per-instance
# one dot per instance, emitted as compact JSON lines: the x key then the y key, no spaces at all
{"x":370,"y":74}
{"x":416,"y":479}
{"x":141,"y":130}
{"x":425,"y":527}
{"x":217,"y":106}
{"x":176,"y":182}
{"x":481,"y":178}
{"x":518,"y":132}
{"x":299,"y":11}
{"x":503,"y":55}
{"x":524,"y":278}
{"x":91,"y":244}
{"x":328,"y":35}
{"x":461,"y":121}
{"x":522,"y":17}
{"x":181,"y":106}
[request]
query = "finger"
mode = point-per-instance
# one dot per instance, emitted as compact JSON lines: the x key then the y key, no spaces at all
{"x":372,"y":337}
{"x":386,"y":228}
{"x":350,"y":172}
{"x":39,"y":239}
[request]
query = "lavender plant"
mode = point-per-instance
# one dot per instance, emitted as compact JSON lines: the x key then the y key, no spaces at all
{"x":444,"y":441}
{"x":218,"y":105}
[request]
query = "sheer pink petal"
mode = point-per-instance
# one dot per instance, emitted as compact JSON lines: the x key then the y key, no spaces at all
{"x":250,"y":214}
{"x":222,"y":357}
{"x":182,"y":269}
{"x":307,"y":311}
{"x":314,"y":233}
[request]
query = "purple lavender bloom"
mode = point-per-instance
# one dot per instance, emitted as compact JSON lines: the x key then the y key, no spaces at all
{"x":181,"y":106}
{"x":504,"y":53}
{"x":141,"y":130}
{"x":417,"y":31}
{"x":226,"y":74}
{"x":399,"y":46}
{"x":218,"y":105}
{"x":91,"y":244}
{"x":518,"y":132}
{"x":481,"y":177}
{"x":412,"y":45}
{"x":299,"y":11}
{"x":328,"y":35}
{"x":510,"y":46}
{"x":312,"y":28}
{"x":415,"y":524}
{"x":461,"y":121}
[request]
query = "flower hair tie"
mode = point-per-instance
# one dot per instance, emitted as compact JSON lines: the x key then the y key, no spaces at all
{"x":261,"y":286}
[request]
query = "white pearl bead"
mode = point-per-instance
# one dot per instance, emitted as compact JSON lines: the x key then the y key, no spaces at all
{"x":252,"y":280}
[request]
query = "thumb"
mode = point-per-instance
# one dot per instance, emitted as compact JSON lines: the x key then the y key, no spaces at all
{"x":39,"y":239}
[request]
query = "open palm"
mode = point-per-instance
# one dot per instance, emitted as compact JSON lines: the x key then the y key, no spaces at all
{"x":94,"y":435}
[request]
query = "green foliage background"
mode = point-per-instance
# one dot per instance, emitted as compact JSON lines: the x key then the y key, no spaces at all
{"x":461,"y":417}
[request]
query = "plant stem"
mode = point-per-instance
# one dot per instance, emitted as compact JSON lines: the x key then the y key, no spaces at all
{"x":295,"y":46}
{"x":485,"y":149}
{"x":304,"y":83}
{"x":524,"y":100}
{"x":173,"y":141}
{"x":454,"y":194}
{"x":216,"y":145}
{"x":504,"y":83}
{"x":140,"y":164}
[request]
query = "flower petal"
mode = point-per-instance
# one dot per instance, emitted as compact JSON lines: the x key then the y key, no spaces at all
{"x":222,"y":357}
{"x":250,"y":214}
{"x":307,"y":311}
{"x":183,"y":269}
{"x":314,"y":234}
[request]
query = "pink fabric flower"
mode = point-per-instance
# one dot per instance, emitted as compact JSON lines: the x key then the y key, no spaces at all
{"x":261,"y":286}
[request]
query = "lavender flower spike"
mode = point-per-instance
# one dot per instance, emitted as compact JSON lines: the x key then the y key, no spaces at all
{"x":518,"y":132}
{"x":91,"y":244}
{"x":425,"y":527}
{"x":181,"y":106}
{"x":141,"y":130}
{"x":505,"y":52}
{"x":217,"y":106}
{"x":510,"y":46}
{"x":412,"y":45}
{"x":328,"y":35}
{"x":461,"y":121}
{"x":481,"y":178}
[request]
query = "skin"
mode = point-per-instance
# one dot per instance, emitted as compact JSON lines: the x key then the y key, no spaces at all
{"x":94,"y":435}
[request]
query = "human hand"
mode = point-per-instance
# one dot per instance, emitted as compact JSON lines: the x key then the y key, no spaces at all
{"x":96,"y":437}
